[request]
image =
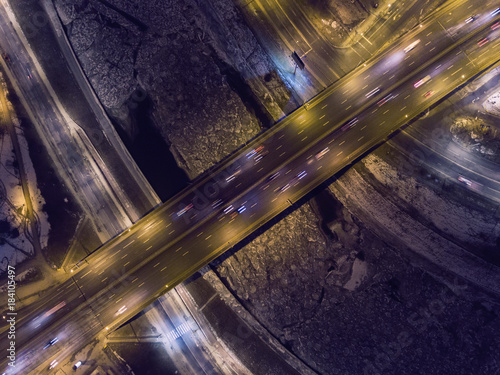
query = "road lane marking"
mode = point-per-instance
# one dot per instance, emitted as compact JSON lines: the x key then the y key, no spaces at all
{"x":402,"y":109}
{"x":391,"y":77}
{"x":111,"y":296}
{"x":85,"y":274}
{"x":340,"y":153}
{"x":118,"y":300}
{"x":361,"y":138}
{"x":341,"y":143}
{"x":303,"y":139}
{"x":172,"y":231}
{"x":141,"y":284}
{"x":348,"y":108}
{"x":178,"y":249}
{"x":432,"y":49}
{"x":149,"y":247}
{"x":319,"y":167}
{"x":428,"y":43}
{"x":382,"y":123}
{"x":147,"y":240}
{"x":199,"y":234}
{"x":456,"y":71}
{"x":103,"y":280}
{"x":185,"y":253}
{"x":156,"y":265}
{"x":344,"y":101}
{"x":101,"y":272}
{"x":253,"y":205}
{"x":326,"y":122}
{"x":169,"y":224}
{"x":163,"y":269}
{"x":282,"y":154}
{"x":376,"y":109}
{"x":326,"y":105}
{"x":277,"y":148}
{"x":301,"y":131}
{"x":135,"y":279}
{"x":410,"y":64}
{"x":126,"y":264}
{"x":331,"y":141}
{"x":126,"y":255}
{"x":385,"y":112}
{"x":387,"y":71}
{"x":363,"y":127}
{"x":257,"y":172}
{"x":362,"y":88}
{"x":406,"y":97}
{"x":451,"y":66}
{"x":322,"y":117}
{"x":130,"y":243}
{"x":281,"y":136}
{"x":206,"y":238}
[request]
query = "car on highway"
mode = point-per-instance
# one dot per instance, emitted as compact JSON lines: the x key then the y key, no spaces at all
{"x":420,"y":82}
{"x":274,"y":176}
{"x":411,"y":46}
{"x":349,"y":124}
{"x":233,"y":176}
{"x":294,"y":181}
{"x":373,"y":92}
{"x":385,"y":99}
{"x":121,"y":310}
{"x":495,"y":12}
{"x":51,"y":342}
{"x":53,"y":364}
{"x":28,"y":72}
{"x":322,"y":153}
{"x":184,"y":210}
{"x":483,"y":41}
{"x":470,"y":19}
{"x":428,"y":94}
{"x":464,"y":180}
{"x":495,"y":26}
{"x":217,"y":203}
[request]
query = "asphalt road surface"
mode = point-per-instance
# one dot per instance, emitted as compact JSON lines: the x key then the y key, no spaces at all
{"x":250,"y":188}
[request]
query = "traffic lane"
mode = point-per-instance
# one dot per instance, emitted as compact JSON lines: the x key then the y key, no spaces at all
{"x":463,"y":12}
{"x":37,"y":322}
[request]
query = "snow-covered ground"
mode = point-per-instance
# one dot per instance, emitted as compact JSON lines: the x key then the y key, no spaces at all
{"x":15,"y":242}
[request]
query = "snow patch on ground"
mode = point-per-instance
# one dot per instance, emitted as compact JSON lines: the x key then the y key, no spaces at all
{"x":401,"y":230}
{"x":492,"y":104}
{"x":358,"y":275}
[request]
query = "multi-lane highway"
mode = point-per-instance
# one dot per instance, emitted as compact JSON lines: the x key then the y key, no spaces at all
{"x":106,"y":198}
{"x":255,"y":185}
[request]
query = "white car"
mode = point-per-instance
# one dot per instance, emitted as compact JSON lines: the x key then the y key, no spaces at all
{"x":420,"y":82}
{"x":411,"y":46}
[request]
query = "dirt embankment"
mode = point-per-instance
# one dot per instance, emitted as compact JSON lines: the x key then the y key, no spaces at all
{"x":172,"y":53}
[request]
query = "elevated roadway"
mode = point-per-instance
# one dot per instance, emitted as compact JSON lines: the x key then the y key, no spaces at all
{"x":250,"y":188}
